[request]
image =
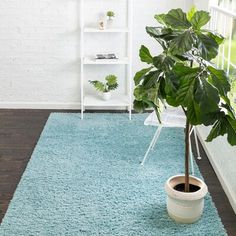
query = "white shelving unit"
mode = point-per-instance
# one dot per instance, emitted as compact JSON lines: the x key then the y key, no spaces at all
{"x":118,"y":100}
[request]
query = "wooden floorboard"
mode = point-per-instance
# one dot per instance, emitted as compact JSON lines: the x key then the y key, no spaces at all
{"x":19,"y":133}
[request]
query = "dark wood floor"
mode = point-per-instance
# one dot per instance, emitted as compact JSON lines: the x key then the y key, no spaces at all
{"x":19,"y":133}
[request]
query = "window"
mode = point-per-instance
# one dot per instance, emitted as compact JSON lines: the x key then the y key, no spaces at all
{"x":224,"y":21}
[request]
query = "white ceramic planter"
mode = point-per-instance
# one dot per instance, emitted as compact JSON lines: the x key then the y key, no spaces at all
{"x":106,"y":96}
{"x":185,"y":207}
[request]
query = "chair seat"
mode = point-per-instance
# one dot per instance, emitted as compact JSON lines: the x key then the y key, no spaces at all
{"x":170,"y":117}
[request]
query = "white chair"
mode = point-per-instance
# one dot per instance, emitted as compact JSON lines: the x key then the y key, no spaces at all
{"x":170,"y":117}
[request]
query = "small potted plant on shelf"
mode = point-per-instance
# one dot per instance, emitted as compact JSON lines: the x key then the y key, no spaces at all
{"x":183,"y":75}
{"x":110,"y":18}
{"x":107,"y":87}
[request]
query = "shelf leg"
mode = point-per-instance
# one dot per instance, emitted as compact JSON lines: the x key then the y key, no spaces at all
{"x":130,"y":113}
{"x":82,"y":113}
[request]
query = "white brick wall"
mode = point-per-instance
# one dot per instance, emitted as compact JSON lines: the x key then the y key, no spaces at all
{"x":39,"y":50}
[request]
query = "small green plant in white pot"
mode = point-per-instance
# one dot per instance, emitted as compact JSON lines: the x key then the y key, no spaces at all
{"x":182,"y":75}
{"x":110,"y":18}
{"x":107,"y":87}
{"x":110,"y":15}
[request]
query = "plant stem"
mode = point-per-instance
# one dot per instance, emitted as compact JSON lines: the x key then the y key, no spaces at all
{"x":186,"y":188}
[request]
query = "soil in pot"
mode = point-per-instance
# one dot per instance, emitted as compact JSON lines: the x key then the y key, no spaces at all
{"x":192,"y":188}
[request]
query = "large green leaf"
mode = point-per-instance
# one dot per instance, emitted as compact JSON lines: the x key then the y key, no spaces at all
{"x":162,"y":92}
{"x":207,"y":46}
{"x":193,"y":113}
{"x":161,"y":35}
{"x":140,"y":75}
{"x":147,"y":96}
{"x":150,"y":79}
{"x":178,"y":78}
{"x":231,"y":130}
{"x":182,"y":43}
{"x":160,"y":18}
{"x":145,"y":55}
{"x":217,"y":37}
{"x":184,"y":94}
{"x":220,"y":80}
{"x":163,"y":62}
{"x":154,"y":31}
{"x":181,"y":69}
{"x":152,"y":95}
{"x":140,"y":106}
{"x":139,"y":93}
{"x":171,"y":84}
{"x":206,"y":96}
{"x":157,"y":32}
{"x":199,"y":19}
{"x":224,"y":125}
{"x":177,"y":19}
{"x":191,"y":13}
{"x":228,"y":109}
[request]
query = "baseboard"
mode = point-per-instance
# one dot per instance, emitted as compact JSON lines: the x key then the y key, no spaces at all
{"x":216,"y":168}
{"x":56,"y":106}
{"x":39,"y":105}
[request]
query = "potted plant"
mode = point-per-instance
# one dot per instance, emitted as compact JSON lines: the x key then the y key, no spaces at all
{"x":183,"y":75}
{"x":107,"y":87}
{"x":110,"y":17}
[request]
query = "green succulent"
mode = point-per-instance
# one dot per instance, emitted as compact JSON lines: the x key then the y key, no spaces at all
{"x":110,"y":84}
{"x":110,"y":14}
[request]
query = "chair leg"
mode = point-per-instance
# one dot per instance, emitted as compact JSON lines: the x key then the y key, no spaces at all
{"x":155,"y":137}
{"x":191,"y":156}
{"x":196,"y":142}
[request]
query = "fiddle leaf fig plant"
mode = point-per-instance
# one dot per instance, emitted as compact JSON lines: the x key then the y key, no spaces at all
{"x":183,"y":75}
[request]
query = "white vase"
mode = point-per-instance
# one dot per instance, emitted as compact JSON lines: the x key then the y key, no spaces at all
{"x":185,"y":207}
{"x":106,"y":96}
{"x":109,"y":22}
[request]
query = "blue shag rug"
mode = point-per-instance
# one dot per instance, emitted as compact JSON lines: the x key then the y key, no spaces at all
{"x":84,"y":178}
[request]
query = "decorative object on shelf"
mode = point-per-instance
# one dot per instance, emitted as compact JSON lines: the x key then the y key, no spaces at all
{"x":183,"y":75}
{"x":106,"y":56}
{"x":107,"y":87}
{"x":110,"y":18}
{"x":102,"y":24}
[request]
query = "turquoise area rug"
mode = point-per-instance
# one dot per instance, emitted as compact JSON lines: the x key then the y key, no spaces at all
{"x":84,"y":178}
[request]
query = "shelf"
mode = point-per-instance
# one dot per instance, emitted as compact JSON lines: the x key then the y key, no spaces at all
{"x":112,"y":30}
{"x":116,"y":100}
{"x":91,"y":61}
{"x":88,"y":63}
